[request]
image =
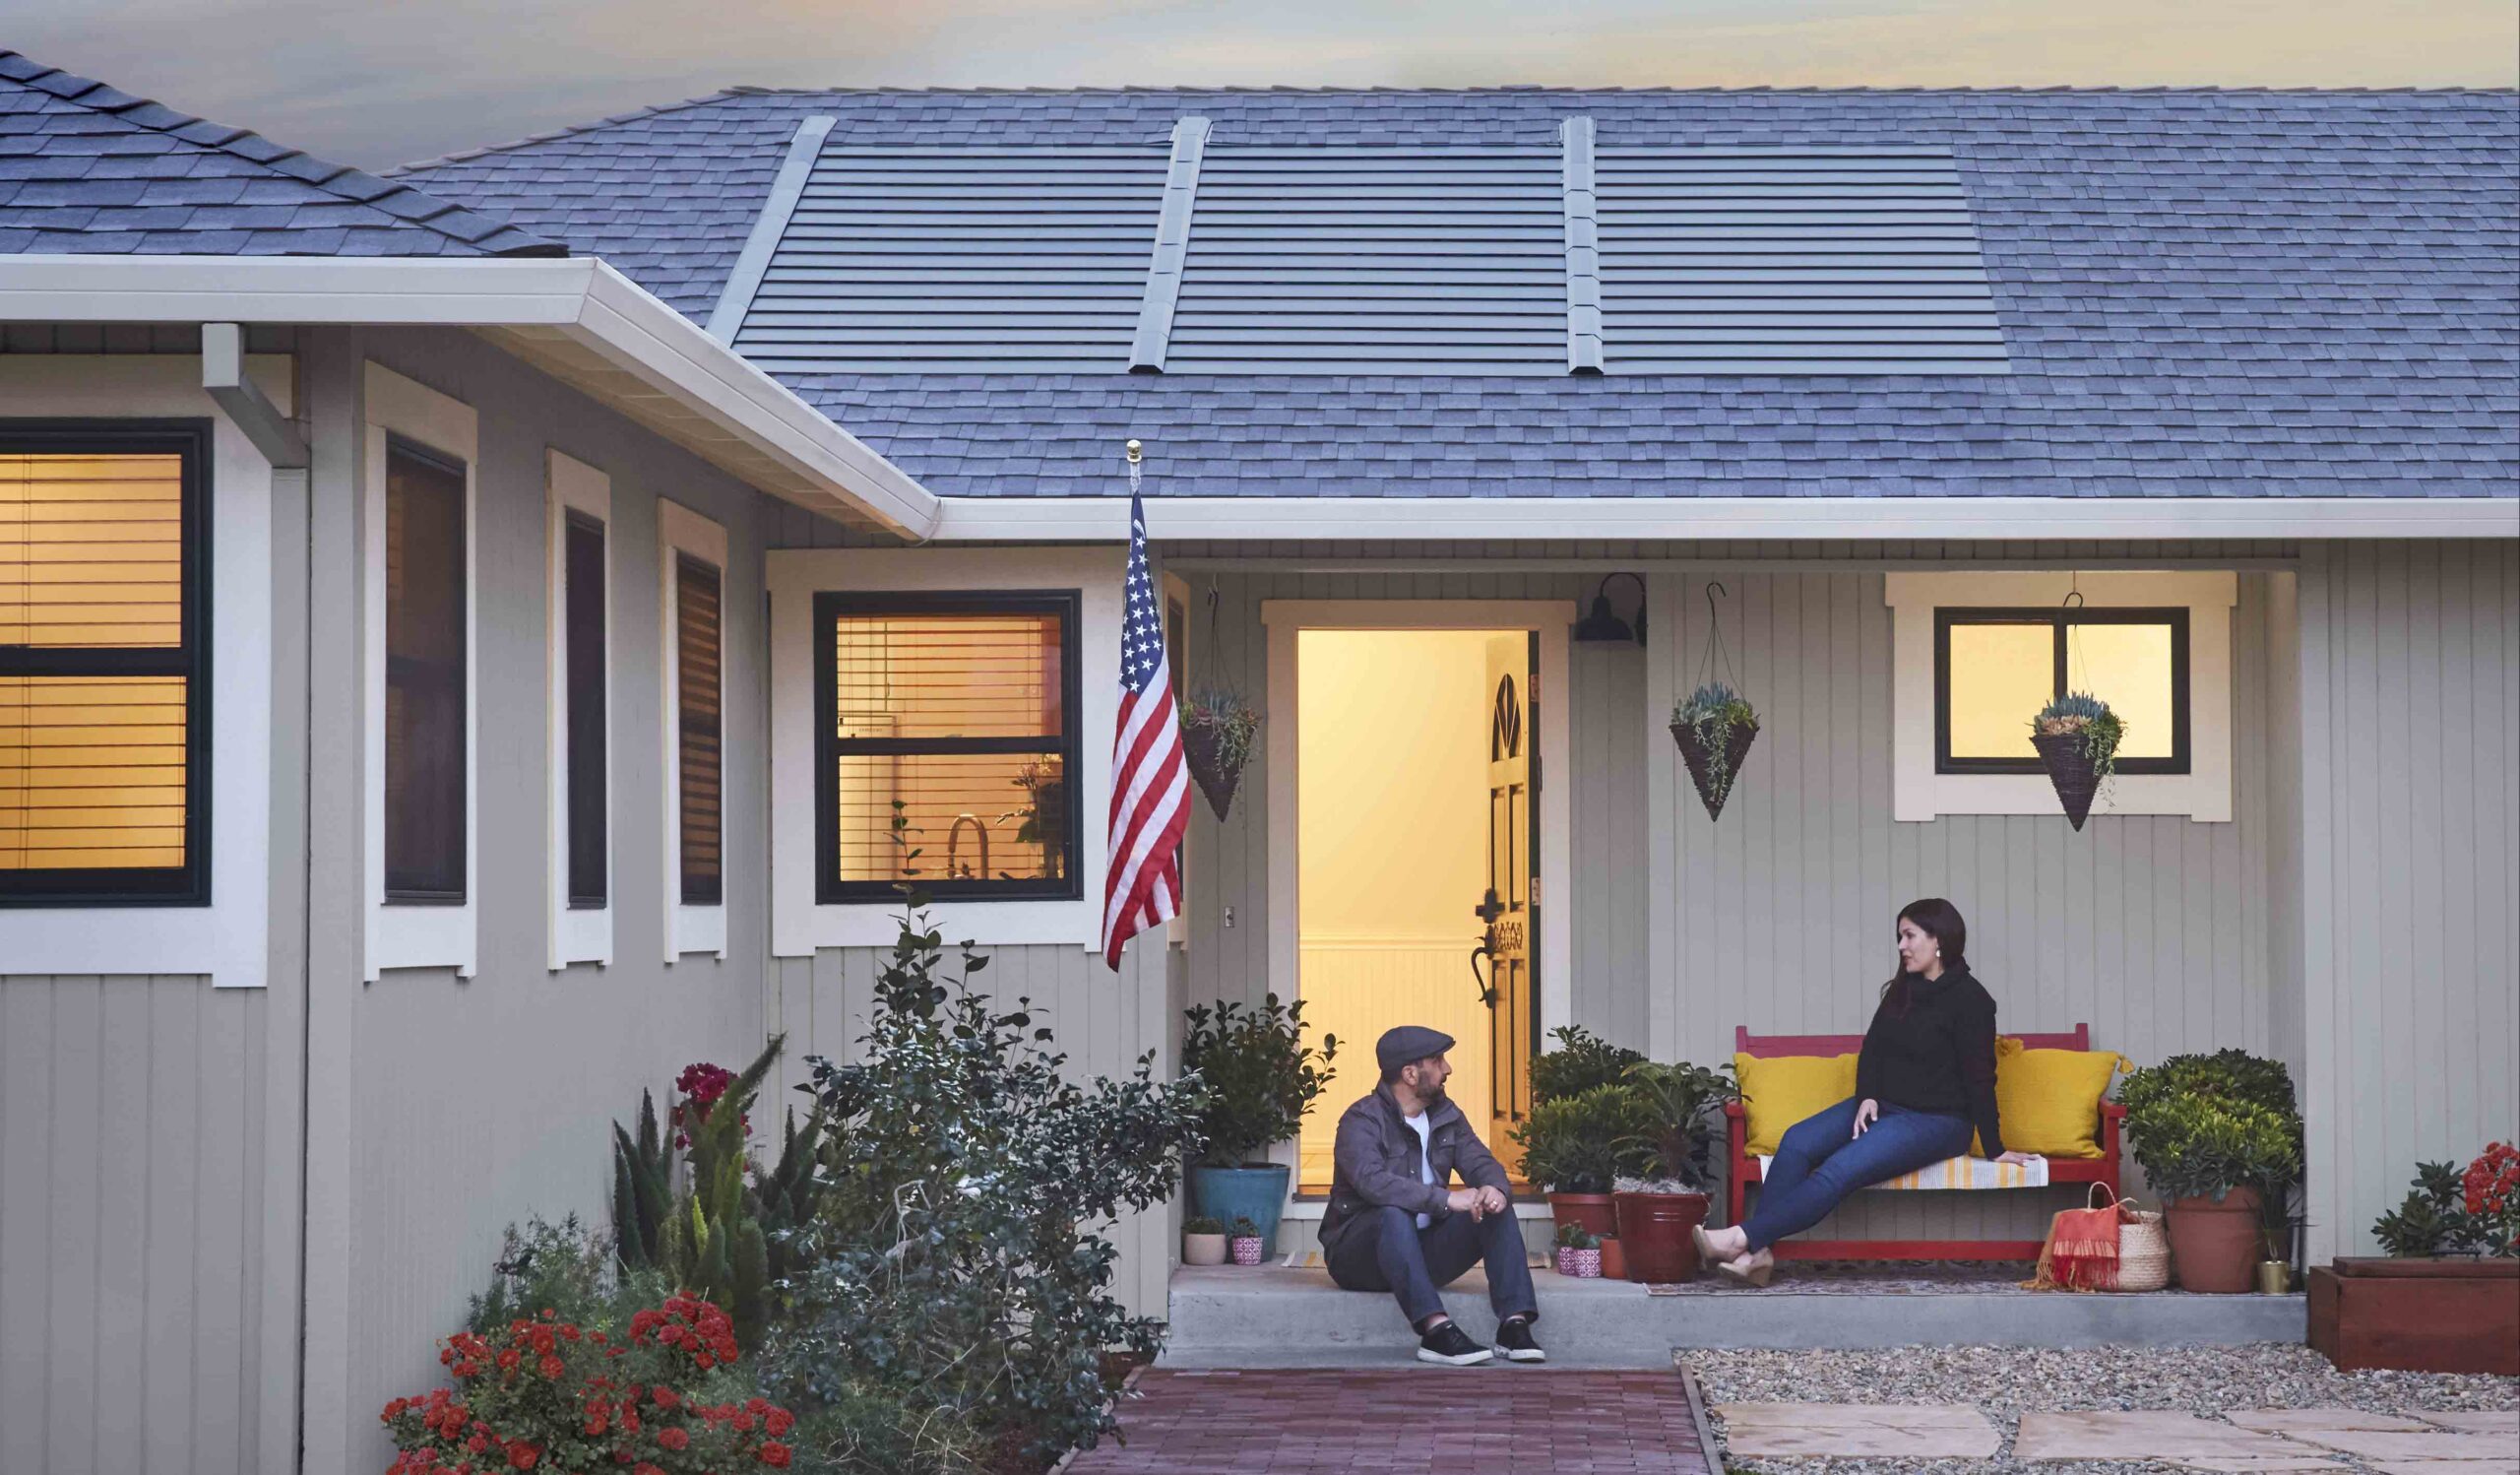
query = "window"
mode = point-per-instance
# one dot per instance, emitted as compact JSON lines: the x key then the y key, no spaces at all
{"x":1995,"y":668}
{"x":425,"y":675}
{"x":577,"y":885}
{"x":950,"y":715}
{"x":588,"y":858}
{"x":699,"y":780}
{"x":104,"y":795}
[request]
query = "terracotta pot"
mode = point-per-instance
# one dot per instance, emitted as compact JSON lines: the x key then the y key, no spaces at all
{"x":2430,"y":1314}
{"x":1594,"y":1211}
{"x":2215,"y":1246}
{"x":1203,"y":1249}
{"x":1655,"y":1229}
{"x":1615,"y":1259}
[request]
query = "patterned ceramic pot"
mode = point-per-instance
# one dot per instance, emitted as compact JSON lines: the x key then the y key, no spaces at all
{"x":1579,"y":1264}
{"x":1247,"y":1250}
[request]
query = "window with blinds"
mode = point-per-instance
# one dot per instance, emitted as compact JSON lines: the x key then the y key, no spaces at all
{"x":103,"y":686}
{"x":948,"y":746}
{"x":700,"y":723}
{"x":427,"y":575}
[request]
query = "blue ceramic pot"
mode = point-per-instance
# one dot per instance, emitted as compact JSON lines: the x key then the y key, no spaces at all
{"x":1258,"y":1195}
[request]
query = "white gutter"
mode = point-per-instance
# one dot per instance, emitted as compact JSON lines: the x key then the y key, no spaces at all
{"x":578,"y":298}
{"x":1475,"y":518}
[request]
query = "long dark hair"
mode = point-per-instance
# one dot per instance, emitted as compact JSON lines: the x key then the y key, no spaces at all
{"x":1940,"y":921}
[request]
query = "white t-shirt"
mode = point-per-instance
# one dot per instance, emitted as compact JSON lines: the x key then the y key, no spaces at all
{"x":1426,"y":1146}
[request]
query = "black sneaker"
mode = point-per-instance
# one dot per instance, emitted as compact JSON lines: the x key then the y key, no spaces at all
{"x":1513,"y":1341}
{"x":1449,"y":1345}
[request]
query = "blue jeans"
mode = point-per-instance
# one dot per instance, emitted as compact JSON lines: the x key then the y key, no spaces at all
{"x":1821,"y":1161}
{"x":1388,"y":1252}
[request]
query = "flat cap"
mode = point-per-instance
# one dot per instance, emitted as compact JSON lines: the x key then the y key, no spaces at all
{"x":1410,"y":1042}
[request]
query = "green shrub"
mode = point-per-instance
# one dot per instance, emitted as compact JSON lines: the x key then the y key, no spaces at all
{"x":1201,"y":1224}
{"x":1260,"y":1078}
{"x":565,"y":1268}
{"x":1582,"y":1143}
{"x":1581,"y":1062}
{"x":951,"y":1270}
{"x":1680,"y":1102}
{"x":2204,"y":1147}
{"x":2227,"y":1074}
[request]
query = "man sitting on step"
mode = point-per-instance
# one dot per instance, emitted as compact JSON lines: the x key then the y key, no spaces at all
{"x":1396,"y":1224}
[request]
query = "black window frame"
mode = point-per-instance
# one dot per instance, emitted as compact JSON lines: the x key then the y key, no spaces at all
{"x":2181,"y":759}
{"x":691,"y":888}
{"x":586,"y":797}
{"x":414,"y":896}
{"x":829,"y":747}
{"x":187,"y":885}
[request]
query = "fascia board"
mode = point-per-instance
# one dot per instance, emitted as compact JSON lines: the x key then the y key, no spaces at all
{"x":1472,"y":519}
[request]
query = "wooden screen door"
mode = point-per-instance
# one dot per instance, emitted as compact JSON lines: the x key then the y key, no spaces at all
{"x":1511,"y":907}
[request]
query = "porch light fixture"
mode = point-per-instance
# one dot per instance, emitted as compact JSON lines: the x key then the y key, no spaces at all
{"x":1601,"y":624}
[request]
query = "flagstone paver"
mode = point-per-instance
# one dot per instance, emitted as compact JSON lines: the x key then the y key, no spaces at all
{"x":2155,"y":1434}
{"x":1878,"y":1431}
{"x":2301,"y":1423}
{"x":1402,"y":1422}
{"x":2433,"y":1445}
{"x":2501,"y":1421}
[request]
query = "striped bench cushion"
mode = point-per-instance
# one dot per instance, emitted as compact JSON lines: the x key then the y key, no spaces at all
{"x":1959,"y":1173}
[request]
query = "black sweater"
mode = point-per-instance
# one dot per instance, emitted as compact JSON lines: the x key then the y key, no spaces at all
{"x":1938,"y":1054}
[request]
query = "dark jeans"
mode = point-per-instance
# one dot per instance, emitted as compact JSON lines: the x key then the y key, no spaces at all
{"x":1821,"y":1161}
{"x":1386,"y":1250}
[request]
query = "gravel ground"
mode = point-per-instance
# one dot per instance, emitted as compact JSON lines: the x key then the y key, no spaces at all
{"x":2003,"y":1381}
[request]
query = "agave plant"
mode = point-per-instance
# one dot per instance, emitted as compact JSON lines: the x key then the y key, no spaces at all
{"x":2077,"y":735}
{"x":1714,"y":727}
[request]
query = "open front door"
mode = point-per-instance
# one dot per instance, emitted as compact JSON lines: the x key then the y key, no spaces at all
{"x":1510,"y":909}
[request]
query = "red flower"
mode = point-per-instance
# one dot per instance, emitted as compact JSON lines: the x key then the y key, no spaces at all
{"x":778,"y":1421}
{"x":673,"y":1439}
{"x":522,"y":1455}
{"x":774,"y":1454}
{"x":666,"y":1397}
{"x":552,"y":1367}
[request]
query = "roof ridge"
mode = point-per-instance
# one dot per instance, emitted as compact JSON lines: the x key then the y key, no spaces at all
{"x":550,"y":134}
{"x":407,"y":202}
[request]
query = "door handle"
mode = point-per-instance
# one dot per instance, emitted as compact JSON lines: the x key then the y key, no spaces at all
{"x":1486,"y":949}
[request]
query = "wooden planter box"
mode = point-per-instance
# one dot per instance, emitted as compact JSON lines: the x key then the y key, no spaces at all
{"x":2420,"y":1316}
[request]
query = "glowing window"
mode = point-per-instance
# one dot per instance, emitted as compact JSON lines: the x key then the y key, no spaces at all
{"x":947,"y":745}
{"x":1994,"y":668}
{"x":103,"y":721}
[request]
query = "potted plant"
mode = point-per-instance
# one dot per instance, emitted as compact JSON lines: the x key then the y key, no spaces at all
{"x":1715,"y":726}
{"x":1665,"y":1201}
{"x":1218,"y":730}
{"x":1575,"y":1148}
{"x":1578,"y":1253}
{"x":2077,"y":738}
{"x":1245,"y":1241}
{"x":2220,"y":1140}
{"x":1258,"y":1078}
{"x":1577,"y":1062}
{"x":2446,"y":1299}
{"x":1202,"y":1240}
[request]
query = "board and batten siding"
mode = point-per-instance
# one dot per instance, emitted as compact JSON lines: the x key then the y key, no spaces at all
{"x":2410,"y":918}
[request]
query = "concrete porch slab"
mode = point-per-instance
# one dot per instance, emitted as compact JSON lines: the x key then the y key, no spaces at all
{"x":1276,"y":1318}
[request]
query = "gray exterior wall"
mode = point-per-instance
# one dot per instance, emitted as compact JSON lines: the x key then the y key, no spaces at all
{"x":2409,"y":931}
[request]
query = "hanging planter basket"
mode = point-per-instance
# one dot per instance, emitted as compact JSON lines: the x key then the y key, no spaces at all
{"x":2071,"y":770}
{"x":1218,"y":733}
{"x":1714,"y":749}
{"x":2077,"y":738}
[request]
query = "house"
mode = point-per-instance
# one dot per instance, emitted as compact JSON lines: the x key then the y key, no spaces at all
{"x":518,"y":591}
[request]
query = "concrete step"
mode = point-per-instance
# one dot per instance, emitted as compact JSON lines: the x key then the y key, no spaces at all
{"x":1278,"y":1317}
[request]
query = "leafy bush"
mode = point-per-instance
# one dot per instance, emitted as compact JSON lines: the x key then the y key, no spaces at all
{"x":2204,"y":1147}
{"x":1201,"y":1224}
{"x":1680,"y":1102}
{"x":565,"y":1268}
{"x":2226,"y":1074}
{"x":2449,"y":1212}
{"x":1581,"y":1062}
{"x":548,"y":1393}
{"x":951,"y":1284}
{"x":1581,"y":1143}
{"x":1260,"y":1078}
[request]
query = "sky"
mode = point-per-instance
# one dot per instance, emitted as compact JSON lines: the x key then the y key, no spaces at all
{"x":386,"y":82}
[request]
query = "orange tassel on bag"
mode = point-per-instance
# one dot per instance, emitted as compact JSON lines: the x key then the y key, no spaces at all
{"x":2081,"y":1253}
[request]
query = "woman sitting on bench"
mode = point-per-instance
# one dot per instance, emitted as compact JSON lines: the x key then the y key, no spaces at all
{"x":1925,"y":1081}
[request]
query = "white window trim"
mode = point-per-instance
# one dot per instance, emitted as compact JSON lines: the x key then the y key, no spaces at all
{"x":229,"y":940}
{"x":798,"y":924}
{"x":421,"y":936}
{"x":692,"y":929}
{"x":578,"y":934}
{"x":2202,"y":794}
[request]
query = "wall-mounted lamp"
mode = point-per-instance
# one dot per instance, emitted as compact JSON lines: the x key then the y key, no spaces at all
{"x":1601,"y":624}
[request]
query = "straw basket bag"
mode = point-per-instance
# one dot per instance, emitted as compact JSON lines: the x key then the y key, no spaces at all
{"x":2109,"y":1246}
{"x":2143,"y":1249}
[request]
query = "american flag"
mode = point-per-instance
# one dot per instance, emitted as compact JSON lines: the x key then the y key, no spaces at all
{"x":1142,"y":885}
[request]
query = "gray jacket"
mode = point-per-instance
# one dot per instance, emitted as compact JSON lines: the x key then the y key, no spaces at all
{"x":1376,"y":1158}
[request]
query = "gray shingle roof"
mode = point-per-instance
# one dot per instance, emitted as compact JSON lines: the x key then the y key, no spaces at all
{"x":2203,"y":292}
{"x":85,"y":168}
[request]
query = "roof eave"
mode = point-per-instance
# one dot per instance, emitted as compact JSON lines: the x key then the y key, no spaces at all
{"x":576,"y":318}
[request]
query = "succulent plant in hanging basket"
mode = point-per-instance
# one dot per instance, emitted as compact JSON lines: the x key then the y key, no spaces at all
{"x":2077,"y":738}
{"x":1714,"y":727}
{"x":1218,"y":730}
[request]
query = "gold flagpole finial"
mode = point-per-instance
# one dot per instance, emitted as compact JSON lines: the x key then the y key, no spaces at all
{"x":1135,"y":451}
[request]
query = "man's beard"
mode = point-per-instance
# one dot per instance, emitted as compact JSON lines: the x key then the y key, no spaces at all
{"x":1431,"y":1097}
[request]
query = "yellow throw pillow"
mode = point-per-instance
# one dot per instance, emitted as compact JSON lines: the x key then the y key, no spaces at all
{"x":1778,"y":1092}
{"x":2049,"y":1098}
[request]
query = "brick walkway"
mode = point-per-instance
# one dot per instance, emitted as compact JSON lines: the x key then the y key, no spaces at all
{"x":1403,"y":1423}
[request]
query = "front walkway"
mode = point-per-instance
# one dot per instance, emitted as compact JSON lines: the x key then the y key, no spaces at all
{"x":1418,"y":1422}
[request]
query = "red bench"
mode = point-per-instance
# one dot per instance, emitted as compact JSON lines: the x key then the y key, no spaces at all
{"x":1745,"y":1168}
